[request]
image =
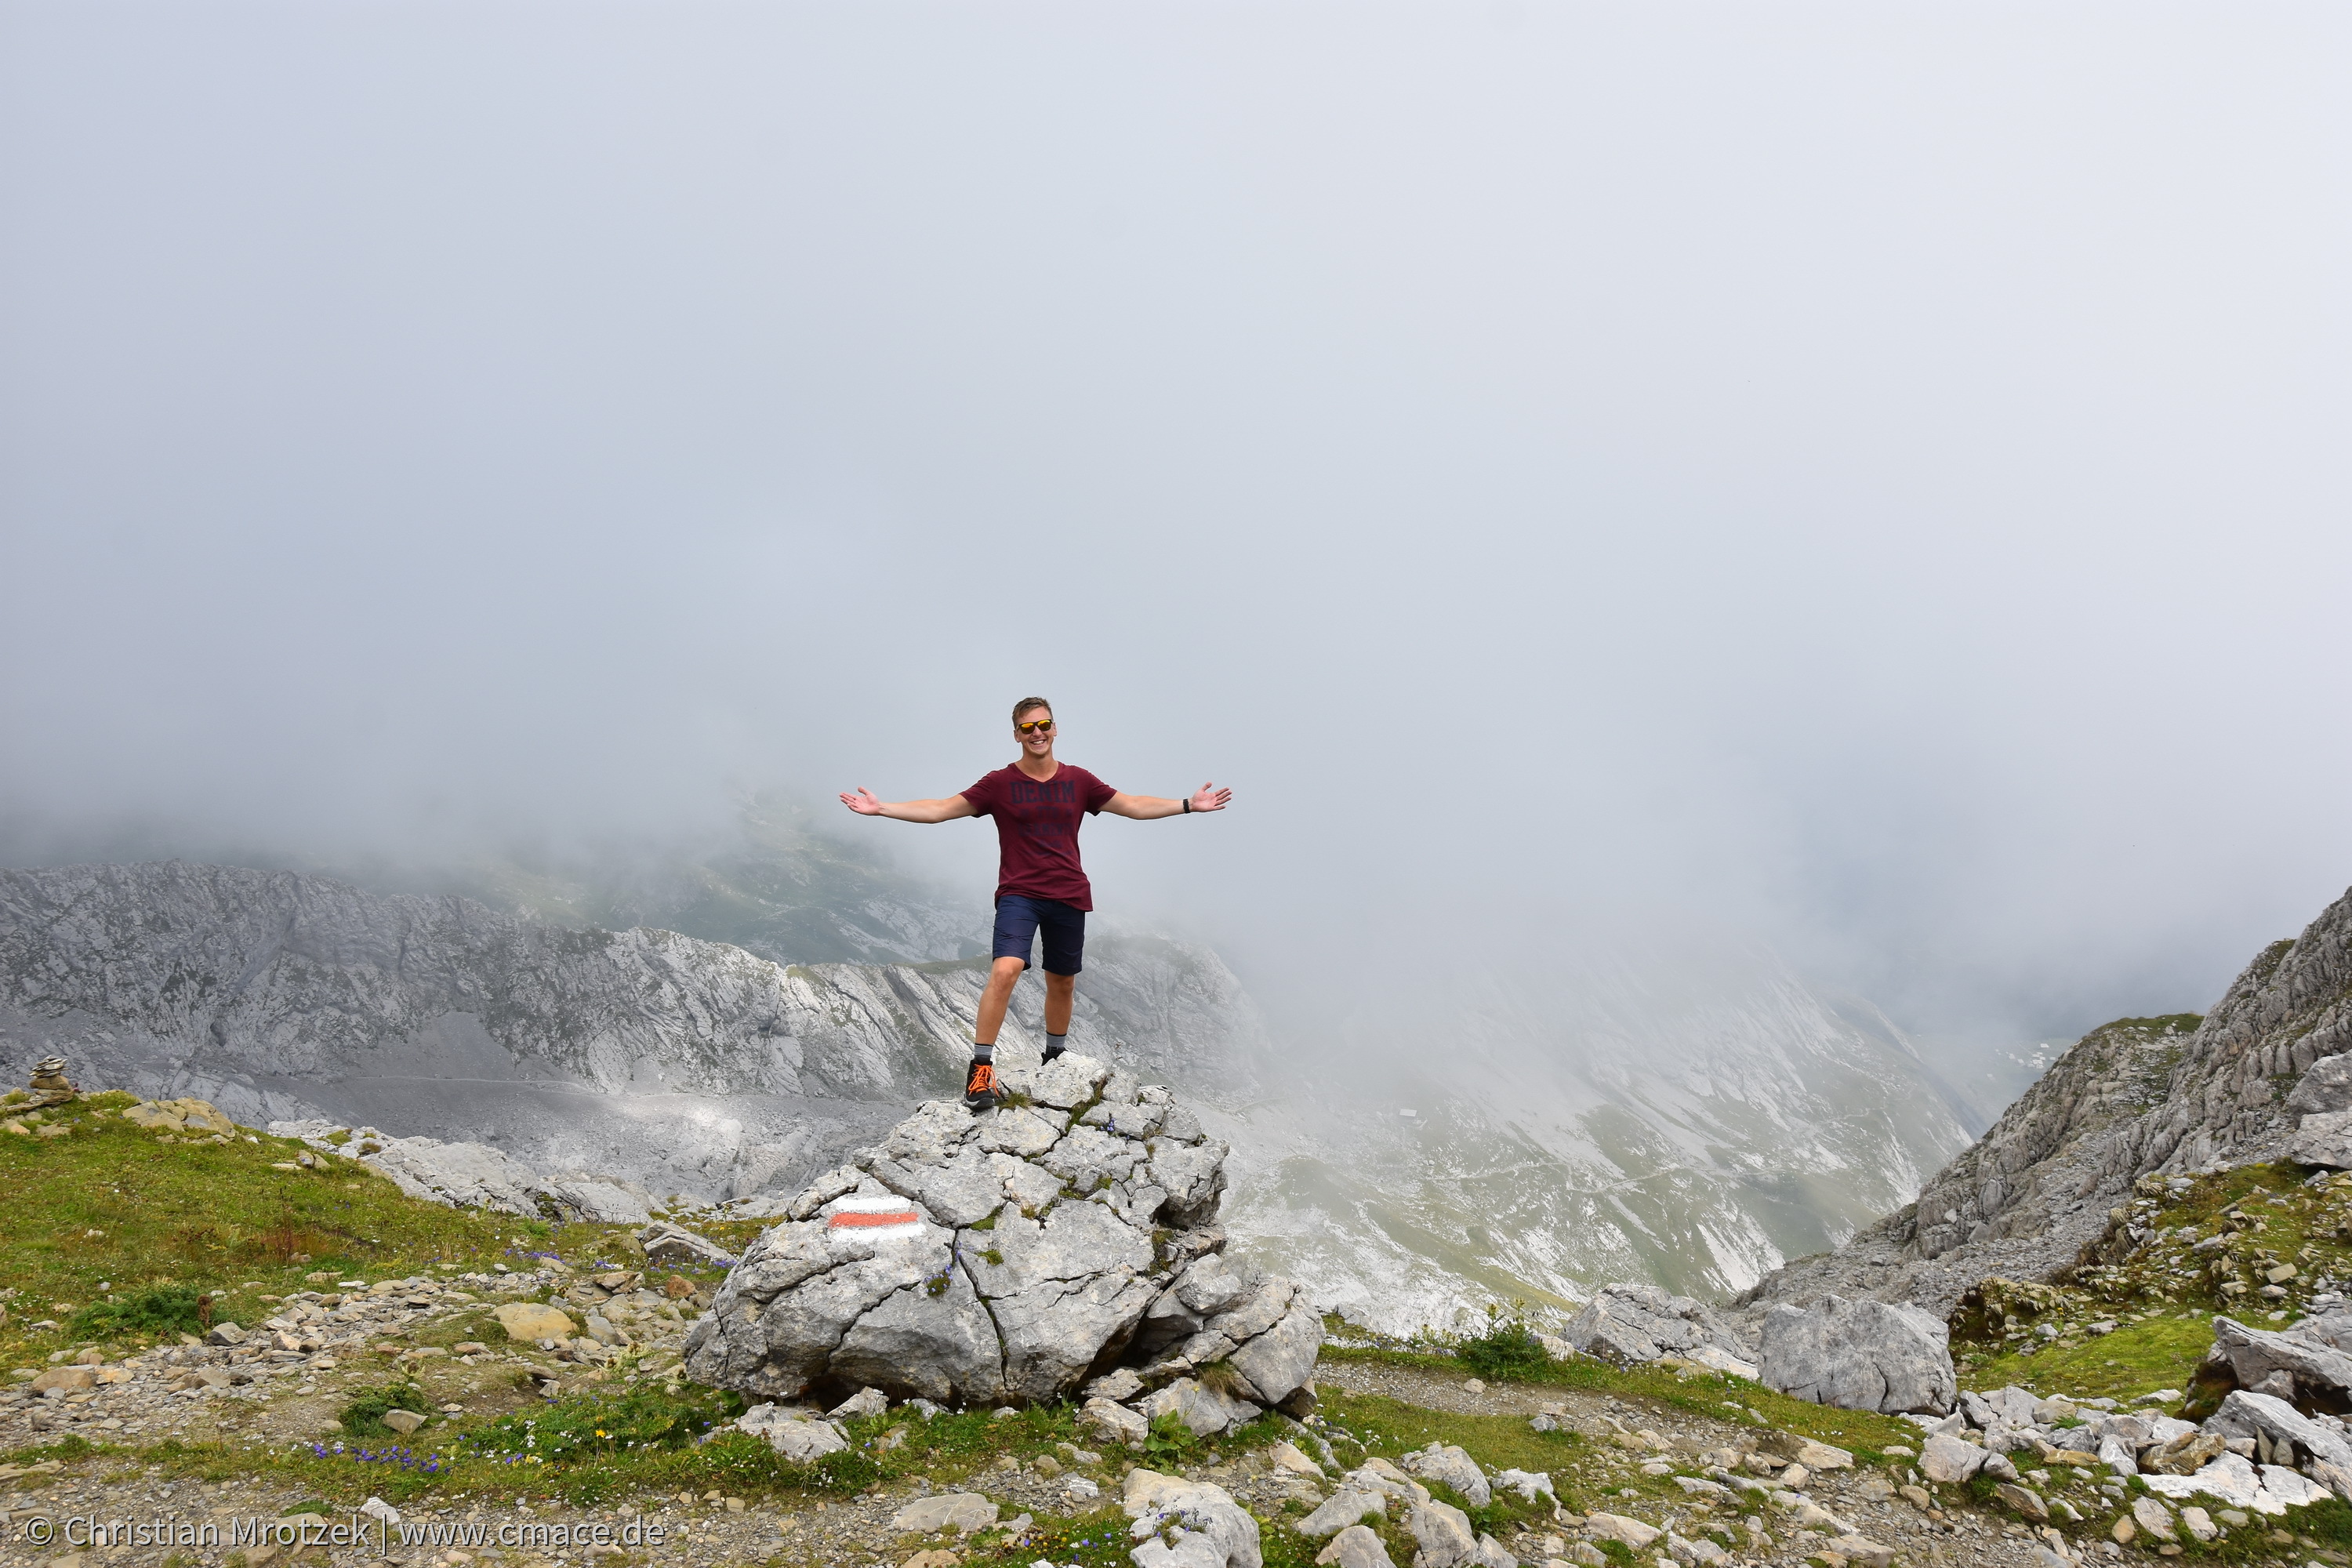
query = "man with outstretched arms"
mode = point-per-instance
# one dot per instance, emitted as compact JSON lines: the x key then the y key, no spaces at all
{"x":1038,"y":803}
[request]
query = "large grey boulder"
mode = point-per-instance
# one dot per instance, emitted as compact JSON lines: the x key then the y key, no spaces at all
{"x":2311,"y":1353}
{"x":2326,"y":1087}
{"x":1629,"y":1324}
{"x":1015,"y":1256}
{"x":1861,"y":1355}
{"x":2324,"y":1139}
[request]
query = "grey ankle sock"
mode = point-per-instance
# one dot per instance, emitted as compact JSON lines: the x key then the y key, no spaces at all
{"x":1055,"y":1045}
{"x":986,"y":1053}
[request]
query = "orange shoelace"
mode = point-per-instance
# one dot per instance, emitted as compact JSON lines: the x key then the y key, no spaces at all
{"x":984,"y":1077}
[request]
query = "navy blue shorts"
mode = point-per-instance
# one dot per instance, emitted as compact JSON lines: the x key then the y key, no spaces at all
{"x":1018,"y":920}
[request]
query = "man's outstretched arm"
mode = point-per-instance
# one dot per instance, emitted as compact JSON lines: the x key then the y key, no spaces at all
{"x":1144,"y":807}
{"x":863,"y":803}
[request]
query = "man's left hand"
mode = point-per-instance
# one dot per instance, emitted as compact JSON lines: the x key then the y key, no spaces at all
{"x":1209,"y":798}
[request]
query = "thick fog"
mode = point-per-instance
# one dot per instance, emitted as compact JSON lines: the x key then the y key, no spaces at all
{"x":1868,"y":478}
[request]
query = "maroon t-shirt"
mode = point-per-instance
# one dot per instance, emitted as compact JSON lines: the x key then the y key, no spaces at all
{"x":1038,"y":830}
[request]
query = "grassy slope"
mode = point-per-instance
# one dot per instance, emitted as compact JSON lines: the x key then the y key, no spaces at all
{"x":2162,"y":1297}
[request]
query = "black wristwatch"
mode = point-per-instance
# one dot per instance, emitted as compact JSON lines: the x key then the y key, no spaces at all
{"x":1188,"y":804}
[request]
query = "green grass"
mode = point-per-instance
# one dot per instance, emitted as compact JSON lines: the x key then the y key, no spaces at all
{"x":1708,"y":1393}
{"x":159,"y":1224}
{"x":364,"y":1416}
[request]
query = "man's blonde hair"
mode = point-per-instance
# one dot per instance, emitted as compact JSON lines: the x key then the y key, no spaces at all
{"x":1026,"y":703}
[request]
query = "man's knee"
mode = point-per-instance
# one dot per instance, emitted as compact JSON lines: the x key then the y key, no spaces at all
{"x":1060,"y":981}
{"x":1006,"y":969}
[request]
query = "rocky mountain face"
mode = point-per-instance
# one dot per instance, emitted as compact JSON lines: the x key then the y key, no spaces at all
{"x":684,"y":1064}
{"x":1687,"y":1123}
{"x":2139,"y":1096}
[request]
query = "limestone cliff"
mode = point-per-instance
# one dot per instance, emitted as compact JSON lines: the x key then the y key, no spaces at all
{"x":2136,"y":1096}
{"x":686,"y":1064}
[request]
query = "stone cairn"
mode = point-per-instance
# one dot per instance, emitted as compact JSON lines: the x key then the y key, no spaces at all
{"x":50,"y":1085}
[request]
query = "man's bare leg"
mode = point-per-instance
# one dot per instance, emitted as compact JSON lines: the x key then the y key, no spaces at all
{"x":1059,"y":991}
{"x":1003,"y":975}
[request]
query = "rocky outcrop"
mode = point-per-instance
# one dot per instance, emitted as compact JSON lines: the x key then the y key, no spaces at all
{"x":1630,"y":1325}
{"x":1860,"y":1356}
{"x":2139,"y":1095}
{"x":2306,"y":1363}
{"x":1013,"y":1256}
{"x":471,"y":1175}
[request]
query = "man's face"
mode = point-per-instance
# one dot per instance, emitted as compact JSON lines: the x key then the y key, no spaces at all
{"x":1035,"y":731}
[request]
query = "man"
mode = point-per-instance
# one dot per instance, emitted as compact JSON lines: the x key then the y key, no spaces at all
{"x":1038,"y":803}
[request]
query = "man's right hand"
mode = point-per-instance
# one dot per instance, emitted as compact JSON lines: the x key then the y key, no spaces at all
{"x":862,"y":802}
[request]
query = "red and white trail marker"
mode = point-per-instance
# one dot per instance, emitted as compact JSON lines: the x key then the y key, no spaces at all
{"x":879,"y":1218}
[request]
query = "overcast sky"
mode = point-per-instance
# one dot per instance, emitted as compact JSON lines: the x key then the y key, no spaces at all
{"x":1872,"y":476}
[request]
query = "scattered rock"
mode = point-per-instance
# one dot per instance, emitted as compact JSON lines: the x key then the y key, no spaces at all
{"x":2023,"y":1500}
{"x":1456,"y":1467}
{"x":1118,"y":1384}
{"x":2152,"y":1517}
{"x":960,"y":1512}
{"x":1204,"y":1410}
{"x":1354,"y":1547}
{"x":1617,"y":1527}
{"x":674,"y":1246}
{"x":2273,"y":1420}
{"x":1187,"y":1524}
{"x":1444,"y":1534}
{"x":1947,"y":1460}
{"x":403,"y":1421}
{"x":865,"y":1402}
{"x":535,"y":1320}
{"x":183,"y":1116}
{"x":1630,"y":1325}
{"x":1114,"y":1423}
{"x":2183,"y":1455}
{"x":1345,"y":1507}
{"x":1286,"y":1455}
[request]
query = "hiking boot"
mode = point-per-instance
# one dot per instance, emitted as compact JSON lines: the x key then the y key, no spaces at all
{"x":980,"y":1089}
{"x":1053,"y":1050}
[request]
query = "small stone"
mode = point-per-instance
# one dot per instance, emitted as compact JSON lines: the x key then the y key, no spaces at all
{"x":2152,"y":1517}
{"x":865,"y":1402}
{"x":403,"y":1421}
{"x":960,"y":1512}
{"x":534,"y":1321}
{"x":1474,"y":1387}
{"x":1354,"y":1547}
{"x":2023,"y":1500}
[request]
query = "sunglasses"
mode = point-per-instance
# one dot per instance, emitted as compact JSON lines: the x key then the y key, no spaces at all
{"x":1039,"y":728}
